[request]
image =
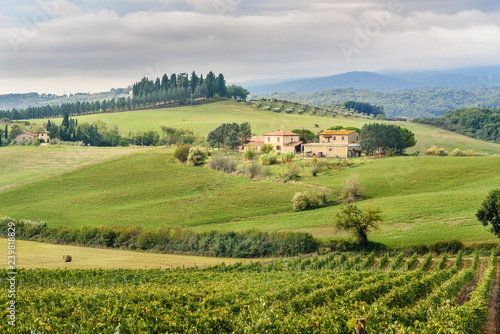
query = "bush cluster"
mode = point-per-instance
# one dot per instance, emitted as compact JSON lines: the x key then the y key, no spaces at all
{"x":222,"y":163}
{"x":196,"y":156}
{"x":434,"y":150}
{"x":269,"y":158}
{"x":250,"y":243}
{"x":465,"y":153}
{"x":306,"y":200}
{"x":181,"y":152}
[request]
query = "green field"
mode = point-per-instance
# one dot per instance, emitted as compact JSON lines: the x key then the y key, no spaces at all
{"x":423,"y":199}
{"x":145,"y":189}
{"x":204,"y":118}
{"x":20,"y":165}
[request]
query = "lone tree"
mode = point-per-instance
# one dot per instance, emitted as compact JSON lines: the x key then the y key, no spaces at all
{"x":489,"y":212}
{"x":359,"y":222}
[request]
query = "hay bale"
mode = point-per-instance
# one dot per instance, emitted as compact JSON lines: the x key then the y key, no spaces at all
{"x":67,"y":258}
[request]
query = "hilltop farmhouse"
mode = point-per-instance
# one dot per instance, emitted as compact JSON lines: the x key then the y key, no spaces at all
{"x":332,"y":143}
{"x":335,"y":143}
{"x":282,"y":141}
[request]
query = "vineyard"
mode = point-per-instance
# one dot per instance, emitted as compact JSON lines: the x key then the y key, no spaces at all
{"x":318,"y":294}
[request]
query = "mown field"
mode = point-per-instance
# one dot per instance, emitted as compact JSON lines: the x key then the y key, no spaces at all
{"x":21,"y":165}
{"x":204,"y":118}
{"x":291,"y":296}
{"x":423,"y":199}
{"x":32,"y":255}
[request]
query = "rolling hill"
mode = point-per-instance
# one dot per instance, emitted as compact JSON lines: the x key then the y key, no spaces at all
{"x":205,"y":118}
{"x":423,"y":199}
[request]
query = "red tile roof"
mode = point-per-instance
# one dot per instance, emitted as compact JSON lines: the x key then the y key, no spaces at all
{"x":281,"y":133}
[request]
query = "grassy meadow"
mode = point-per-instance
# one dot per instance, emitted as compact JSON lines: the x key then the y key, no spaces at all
{"x":145,"y":189}
{"x":21,"y":165}
{"x":206,"y":117}
{"x":31,"y":254}
{"x":423,"y":199}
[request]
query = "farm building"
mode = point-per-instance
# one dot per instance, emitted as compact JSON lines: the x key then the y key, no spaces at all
{"x":335,"y":143}
{"x":44,"y":136}
{"x":283,"y":141}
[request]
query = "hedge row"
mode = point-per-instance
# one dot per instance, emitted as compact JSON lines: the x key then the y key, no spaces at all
{"x":245,"y":244}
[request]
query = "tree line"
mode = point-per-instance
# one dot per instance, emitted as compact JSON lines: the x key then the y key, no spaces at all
{"x":479,"y":123}
{"x":178,"y":88}
{"x":244,"y":244}
{"x":100,"y":133}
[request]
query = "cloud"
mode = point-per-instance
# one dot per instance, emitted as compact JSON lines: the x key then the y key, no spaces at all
{"x":85,"y":48}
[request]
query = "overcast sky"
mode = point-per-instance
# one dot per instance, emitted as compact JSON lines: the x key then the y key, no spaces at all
{"x":74,"y":46}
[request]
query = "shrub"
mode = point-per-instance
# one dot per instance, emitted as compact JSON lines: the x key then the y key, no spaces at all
{"x":222,"y":163}
{"x":291,"y":173}
{"x":253,"y":170}
{"x":452,"y":246}
{"x":315,"y":169}
{"x":196,"y":156}
{"x":266,"y":148}
{"x":181,"y":152}
{"x":123,"y":143}
{"x":352,"y":190}
{"x":459,"y":153}
{"x":249,"y":153}
{"x":306,"y":200}
{"x":287,"y":157}
{"x":289,"y":111}
{"x":434,"y":150}
{"x":268,"y":159}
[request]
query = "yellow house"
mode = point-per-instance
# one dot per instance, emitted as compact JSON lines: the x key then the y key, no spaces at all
{"x":335,"y":143}
{"x":282,"y":141}
{"x":32,"y":135}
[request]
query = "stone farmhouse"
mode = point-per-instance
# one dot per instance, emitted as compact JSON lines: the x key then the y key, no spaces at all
{"x":335,"y":143}
{"x":282,"y":141}
{"x":43,"y":136}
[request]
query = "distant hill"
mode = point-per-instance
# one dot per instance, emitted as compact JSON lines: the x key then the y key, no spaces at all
{"x":472,"y":78}
{"x":415,"y":103}
{"x":364,"y":80}
{"x":19,"y":101}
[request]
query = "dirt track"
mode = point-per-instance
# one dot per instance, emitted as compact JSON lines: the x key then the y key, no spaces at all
{"x":493,"y":323}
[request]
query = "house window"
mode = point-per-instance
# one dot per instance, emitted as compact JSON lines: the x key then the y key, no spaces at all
{"x":328,"y":139}
{"x":278,"y":139}
{"x":334,"y":138}
{"x":357,"y":138}
{"x":268,"y":139}
{"x":330,"y":149}
{"x":342,"y":138}
{"x":278,"y":148}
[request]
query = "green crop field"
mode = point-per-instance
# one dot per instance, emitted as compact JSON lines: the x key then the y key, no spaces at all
{"x":423,"y":199}
{"x":312,"y":295}
{"x":206,"y":117}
